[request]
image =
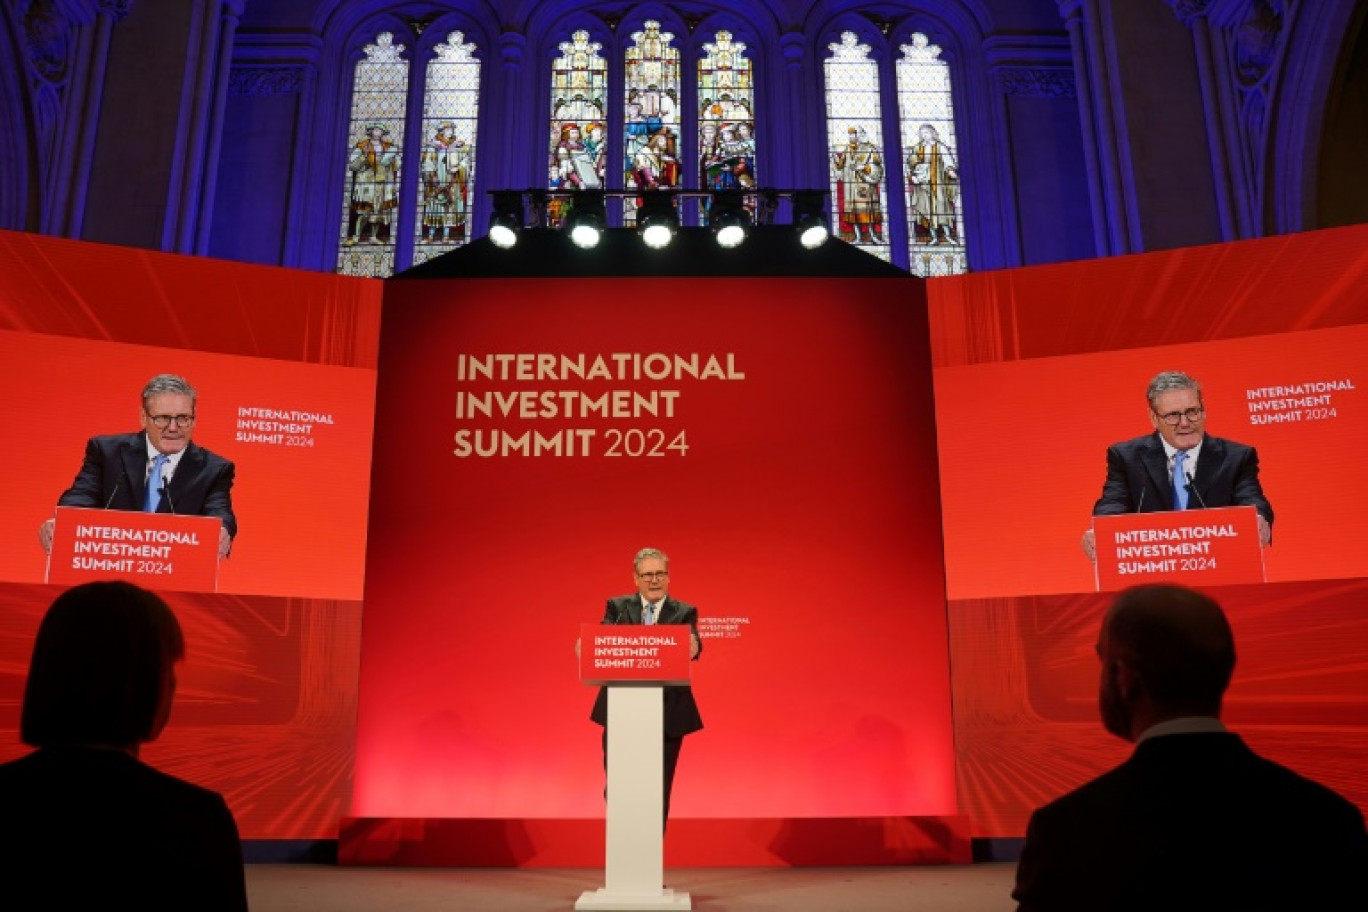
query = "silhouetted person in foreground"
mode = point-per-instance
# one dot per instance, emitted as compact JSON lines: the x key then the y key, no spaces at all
{"x":1194,"y":819}
{"x":84,"y":824}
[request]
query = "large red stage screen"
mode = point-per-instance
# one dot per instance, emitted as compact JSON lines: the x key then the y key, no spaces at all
{"x":284,"y":365}
{"x":1037,"y":372}
{"x":773,"y":437}
{"x":1297,"y":397}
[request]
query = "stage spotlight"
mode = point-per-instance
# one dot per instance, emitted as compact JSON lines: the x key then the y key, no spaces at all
{"x":657,"y":219}
{"x":586,"y":220}
{"x":506,"y":220}
{"x":728,"y":218}
{"x":809,"y":218}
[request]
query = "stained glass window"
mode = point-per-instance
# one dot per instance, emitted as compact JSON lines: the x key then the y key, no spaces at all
{"x":855,"y":146}
{"x":579,"y":92}
{"x":651,"y":128}
{"x":446,"y":165}
{"x":371,"y":201}
{"x":935,"y":218}
{"x":726,"y":116}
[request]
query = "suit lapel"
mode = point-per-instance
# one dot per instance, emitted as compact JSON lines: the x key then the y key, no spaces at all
{"x":190,"y":465}
{"x":1156,"y":462}
{"x":1208,"y":464}
{"x":135,"y":467}
{"x":668,"y":611}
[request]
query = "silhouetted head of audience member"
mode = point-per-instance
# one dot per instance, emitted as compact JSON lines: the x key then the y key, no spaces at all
{"x":1167,"y":652}
{"x":103,"y":669}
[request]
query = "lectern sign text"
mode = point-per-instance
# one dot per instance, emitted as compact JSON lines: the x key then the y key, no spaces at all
{"x":615,"y":653}
{"x":161,"y":551}
{"x":1195,"y":547}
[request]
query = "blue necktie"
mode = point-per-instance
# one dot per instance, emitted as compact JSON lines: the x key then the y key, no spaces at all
{"x":154,"y":484}
{"x":1180,"y":482}
{"x":648,"y":614}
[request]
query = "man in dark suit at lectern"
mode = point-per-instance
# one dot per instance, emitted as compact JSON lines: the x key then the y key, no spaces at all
{"x":651,"y":604}
{"x":157,"y":470}
{"x":1194,"y":820}
{"x":1180,"y":466}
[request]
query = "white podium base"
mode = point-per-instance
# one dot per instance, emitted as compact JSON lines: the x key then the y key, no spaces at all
{"x":634,"y":866}
{"x":606,"y":901}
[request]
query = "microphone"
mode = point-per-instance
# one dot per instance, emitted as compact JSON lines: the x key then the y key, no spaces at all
{"x":166,"y":488}
{"x":1140,"y":505}
{"x":123,"y":475}
{"x":622,"y":615}
{"x":1192,"y":489}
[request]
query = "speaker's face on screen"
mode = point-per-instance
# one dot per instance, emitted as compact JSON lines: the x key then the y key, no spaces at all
{"x":652,"y":579}
{"x":175,"y":411}
{"x":1179,"y":417}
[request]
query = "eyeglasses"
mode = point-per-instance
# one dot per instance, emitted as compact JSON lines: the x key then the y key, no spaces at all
{"x":1193,"y":415}
{"x":653,"y":575}
{"x":164,"y":421}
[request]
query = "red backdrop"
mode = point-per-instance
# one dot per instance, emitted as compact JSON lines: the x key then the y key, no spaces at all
{"x":265,"y":709}
{"x":802,"y":521}
{"x":1064,"y":411}
{"x":1037,"y":372}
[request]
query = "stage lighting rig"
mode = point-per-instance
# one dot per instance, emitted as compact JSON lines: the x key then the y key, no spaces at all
{"x":810,"y":219}
{"x":728,"y":218}
{"x":587,"y":220}
{"x":584,"y":214}
{"x":657,"y":218}
{"x":507,"y":218}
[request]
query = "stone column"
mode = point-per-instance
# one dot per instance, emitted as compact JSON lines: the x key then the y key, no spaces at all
{"x":68,"y":52}
{"x":199,"y":128}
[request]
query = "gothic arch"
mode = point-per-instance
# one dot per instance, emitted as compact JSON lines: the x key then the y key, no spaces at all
{"x":551,"y":33}
{"x":962,"y":17}
{"x":348,"y":32}
{"x":20,"y":193}
{"x":1297,"y":129}
{"x":985,"y":159}
{"x":1341,"y":192}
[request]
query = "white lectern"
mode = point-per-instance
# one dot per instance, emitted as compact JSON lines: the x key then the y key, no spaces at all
{"x":635,"y":663}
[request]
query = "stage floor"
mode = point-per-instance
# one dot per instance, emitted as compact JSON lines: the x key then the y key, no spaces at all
{"x":949,"y":888}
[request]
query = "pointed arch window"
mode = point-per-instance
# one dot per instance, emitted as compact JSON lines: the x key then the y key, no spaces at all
{"x":586,"y":138}
{"x":451,"y":105}
{"x":579,"y":119}
{"x":371,"y":201}
{"x":935,"y":217}
{"x":856,"y":146}
{"x":651,"y":113}
{"x":726,"y":116}
{"x":928,"y":214}
{"x":437,"y":167}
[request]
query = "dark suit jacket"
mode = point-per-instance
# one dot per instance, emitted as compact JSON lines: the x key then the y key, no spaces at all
{"x":114,"y":477}
{"x":1195,"y":821}
{"x":83,"y":828}
{"x":681,"y":712}
{"x":1227,"y":476}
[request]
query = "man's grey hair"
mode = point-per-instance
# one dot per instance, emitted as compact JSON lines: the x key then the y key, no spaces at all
{"x":1167,"y":382}
{"x":168,"y":383}
{"x":649,"y":554}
